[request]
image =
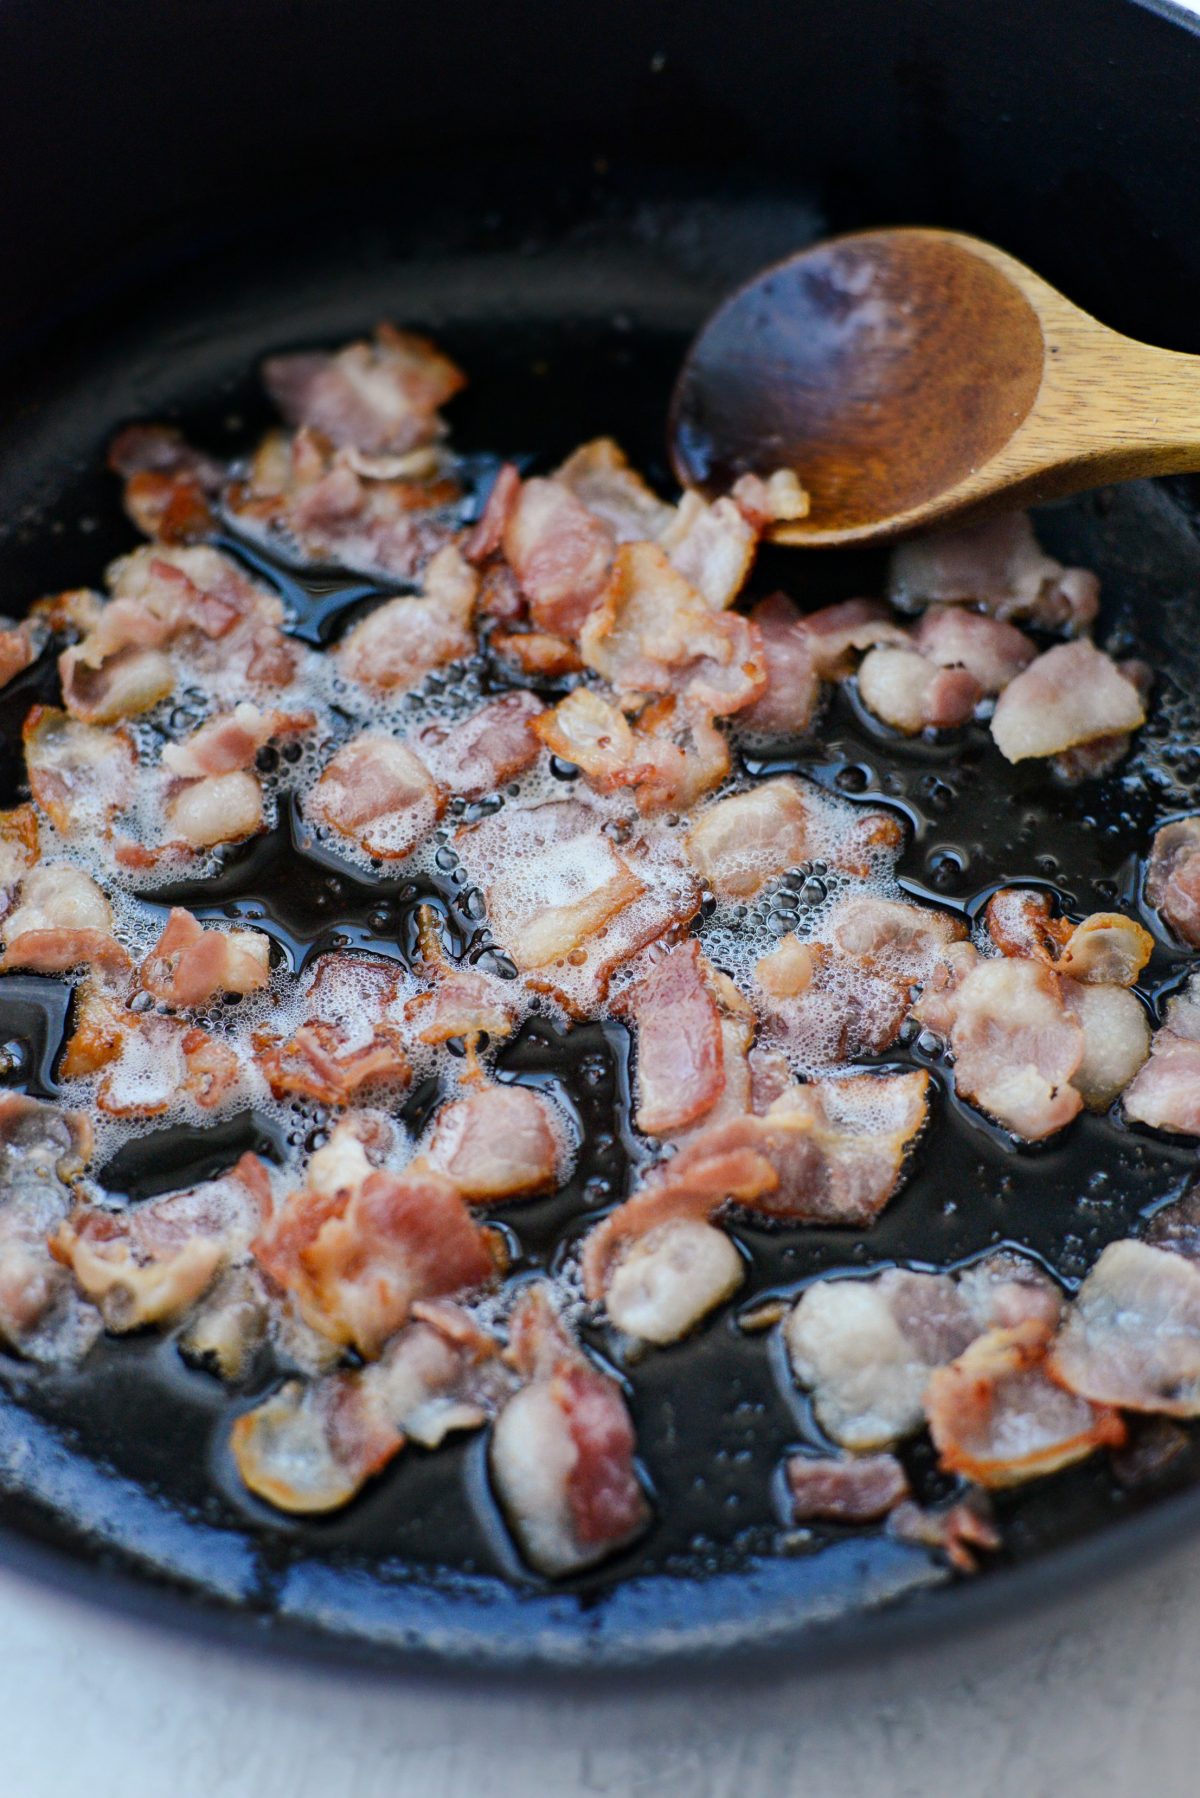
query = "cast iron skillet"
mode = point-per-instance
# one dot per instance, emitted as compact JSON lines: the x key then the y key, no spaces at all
{"x":560,"y":194}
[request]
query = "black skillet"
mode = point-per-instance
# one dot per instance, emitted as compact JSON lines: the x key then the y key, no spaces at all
{"x":561,"y":193}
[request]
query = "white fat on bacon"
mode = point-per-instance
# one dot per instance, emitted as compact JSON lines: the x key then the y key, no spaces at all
{"x":740,"y":843}
{"x":498,"y":1143}
{"x":151,"y":1062}
{"x":1116,"y":1040}
{"x":1166,"y":1092}
{"x":911,"y":693}
{"x":1173,"y":878}
{"x":561,"y":1453}
{"x":1132,"y":1336}
{"x":381,"y":397}
{"x":481,"y":753}
{"x":1071,"y":696}
{"x":231,"y":741}
{"x":189,"y":965}
{"x":394,"y":647}
{"x":991,"y":650}
{"x":219,"y":808}
{"x":1106,"y":948}
{"x":80,"y":776}
{"x":600,"y":477}
{"x":42,"y":1150}
{"x":998,"y":565}
{"x":712,"y":546}
{"x":20,"y":846}
{"x":351,"y":1036}
{"x":668,"y":1280}
{"x":61,"y":920}
{"x":379,"y":794}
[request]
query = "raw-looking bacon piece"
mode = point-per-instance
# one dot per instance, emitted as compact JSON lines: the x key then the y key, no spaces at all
{"x":189,"y":965}
{"x":561,"y":554}
{"x":61,"y":920}
{"x":1107,"y":948}
{"x":998,"y":565}
{"x":665,"y":1282}
{"x":838,"y":634}
{"x":865,"y":1349}
{"x":199,"y":603}
{"x":651,"y":632}
{"x":219,"y":808}
{"x":81,"y":776}
{"x":787,"y":705}
{"x":312,"y":1445}
{"x":680,"y":1060}
{"x":997,"y":1417}
{"x":484,"y":751}
{"x":232,"y":740}
{"x":988,"y":648}
{"x":382,"y":397}
{"x":486,"y":536}
{"x":170,"y":487}
{"x":1132,"y":1336}
{"x":379,"y":794}
{"x":20,"y":846}
{"x":498,"y":1143}
{"x":962,"y":1531}
{"x":1173,"y":878}
{"x":712,"y":547}
{"x":149,"y":1263}
{"x":1116,"y":1040}
{"x":351,"y":1037}
{"x":21,"y":643}
{"x":562,"y":1449}
{"x":911,"y":693}
{"x":1069,"y":696}
{"x":359,"y":1255}
{"x":42,"y":1149}
{"x":742,"y":842}
{"x":394,"y":647}
{"x":1166,"y":1092}
{"x":599,"y":474}
{"x":844,"y":1488}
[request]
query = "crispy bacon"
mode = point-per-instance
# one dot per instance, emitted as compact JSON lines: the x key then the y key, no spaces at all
{"x":394,"y":647}
{"x":231,"y":741}
{"x":482,"y":752}
{"x":61,"y":921}
{"x":680,"y":1061}
{"x":169,"y":486}
{"x":988,"y":648}
{"x":912,"y":693}
{"x":1069,"y":696}
{"x":498,"y":1143}
{"x":190,"y":965}
{"x":1132,"y":1336}
{"x":381,"y":397}
{"x":151,"y":1060}
{"x":561,"y":1453}
{"x":998,"y":565}
{"x":220,"y":808}
{"x":561,"y":554}
{"x":1166,"y":1092}
{"x":1173,"y":878}
{"x":80,"y":776}
{"x":379,"y":793}
{"x":670,"y":756}
{"x":42,"y":1149}
{"x":844,"y":1488}
{"x":351,"y":1038}
{"x":1105,"y":949}
{"x":539,"y":655}
{"x":787,"y":705}
{"x":20,"y":846}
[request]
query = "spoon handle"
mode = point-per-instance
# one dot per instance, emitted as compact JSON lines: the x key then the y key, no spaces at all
{"x":1113,"y":409}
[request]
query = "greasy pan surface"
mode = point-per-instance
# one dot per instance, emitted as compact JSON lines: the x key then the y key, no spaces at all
{"x":568,"y":293}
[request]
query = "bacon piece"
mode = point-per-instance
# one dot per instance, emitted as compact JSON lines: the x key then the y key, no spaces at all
{"x":377,"y":792}
{"x":1072,"y":694}
{"x":988,"y":648}
{"x":465,"y":1002}
{"x":742,"y":842}
{"x":232,"y":740}
{"x":680,"y":1063}
{"x":539,"y":655}
{"x":1105,"y":949}
{"x":149,"y":1263}
{"x":20,"y":846}
{"x":666,"y":1281}
{"x":381,"y":397}
{"x":652,"y":632}
{"x":1173,"y":878}
{"x":561,"y":1453}
{"x":779,"y":499}
{"x":42,"y":1149}
{"x":599,"y":475}
{"x":485,"y":538}
{"x":1132,"y":1336}
{"x":394,"y":647}
{"x":61,"y":921}
{"x":788,"y":704}
{"x":998,"y":565}
{"x":561,"y":554}
{"x":961,"y":1531}
{"x":350,"y":1039}
{"x":198,"y":603}
{"x":837,"y":633}
{"x":225,"y":1330}
{"x":712,"y":547}
{"x":492,"y":746}
{"x":865,"y":1349}
{"x":593,"y":734}
{"x":21,"y":643}
{"x":844,"y":1488}
{"x":220,"y":808}
{"x":912,"y":694}
{"x":997,"y":1417}
{"x":1166,"y":1092}
{"x":169,"y":485}
{"x":1116,"y":1040}
{"x":155,"y":1059}
{"x":190,"y":965}
{"x":498,"y":1143}
{"x":81,"y":776}
{"x":671,"y":755}
{"x":130,"y":681}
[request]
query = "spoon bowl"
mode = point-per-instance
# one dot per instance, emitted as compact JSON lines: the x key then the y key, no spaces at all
{"x":913,"y":377}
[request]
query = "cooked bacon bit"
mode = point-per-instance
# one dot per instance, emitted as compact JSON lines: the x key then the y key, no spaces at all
{"x":231,"y":741}
{"x":20,"y":846}
{"x":993,"y":651}
{"x":779,"y":499}
{"x":158,"y":1058}
{"x":348,"y":1042}
{"x":230,"y":1324}
{"x":221,"y":808}
{"x":837,"y":633}
{"x":358,"y":1257}
{"x":499,"y":1143}
{"x":562,"y":1450}
{"x":793,"y":691}
{"x":1173,"y":878}
{"x":1116,"y":1040}
{"x":463,"y":1004}
{"x":381,"y":397}
{"x":742,"y":842}
{"x":21,"y":643}
{"x":1105,"y":949}
{"x":962,"y":1532}
{"x":151,"y":1262}
{"x":61,"y":921}
{"x":80,"y":776}
{"x":538,"y":654}
{"x":1072,"y":694}
{"x":592,"y":733}
{"x":680,"y":1064}
{"x":788,"y":970}
{"x":1166,"y":1093}
{"x":667,"y":1281}
{"x":599,"y":475}
{"x":1131,"y":1336}
{"x":912,"y":694}
{"x":997,"y":1417}
{"x":561,"y":554}
{"x":904,"y":941}
{"x":189,"y":965}
{"x":169,"y":486}
{"x":377,"y":792}
{"x":712,"y":547}
{"x":400,"y":642}
{"x":652,"y":632}
{"x":998,"y":565}
{"x":844,"y":1488}
{"x":671,"y":755}
{"x":486,"y":537}
{"x":42,"y":1148}
{"x":492,"y":746}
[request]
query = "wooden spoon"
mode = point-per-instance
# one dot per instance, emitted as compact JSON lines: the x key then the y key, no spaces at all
{"x":911,"y":377}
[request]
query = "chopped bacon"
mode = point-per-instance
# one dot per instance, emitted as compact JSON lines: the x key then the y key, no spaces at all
{"x":539,"y":655}
{"x":150,"y":1060}
{"x":149,"y":1263}
{"x":997,"y":1416}
{"x":998,"y":565}
{"x":1107,"y":948}
{"x":599,"y":475}
{"x":561,"y":554}
{"x":42,"y":1149}
{"x":742,"y":842}
{"x":789,"y":701}
{"x":561,"y":1453}
{"x":837,"y":633}
{"x":844,"y":1488}
{"x":487,"y":534}
{"x":498,"y":1143}
{"x":680,"y":1063}
{"x":1132,"y":1336}
{"x":81,"y":776}
{"x":777,"y":499}
{"x":961,"y":1531}
{"x":1116,"y":1040}
{"x":1166,"y":1092}
{"x":672,"y":754}
{"x":61,"y":921}
{"x":482,"y":752}
{"x":231,"y":741}
{"x":377,"y":792}
{"x":988,"y":648}
{"x":225,"y":1330}
{"x":1173,"y":878}
{"x":358,"y":1256}
{"x":912,"y":694}
{"x":667,"y":1280}
{"x":20,"y":846}
{"x":21,"y":643}
{"x":220,"y":808}
{"x":169,"y":486}
{"x":349,"y":1040}
{"x":652,"y":632}
{"x":592,"y":733}
{"x":190,"y":965}
{"x":1072,"y":694}
{"x":712,"y":547}
{"x":394,"y":647}
{"x":381,"y":397}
